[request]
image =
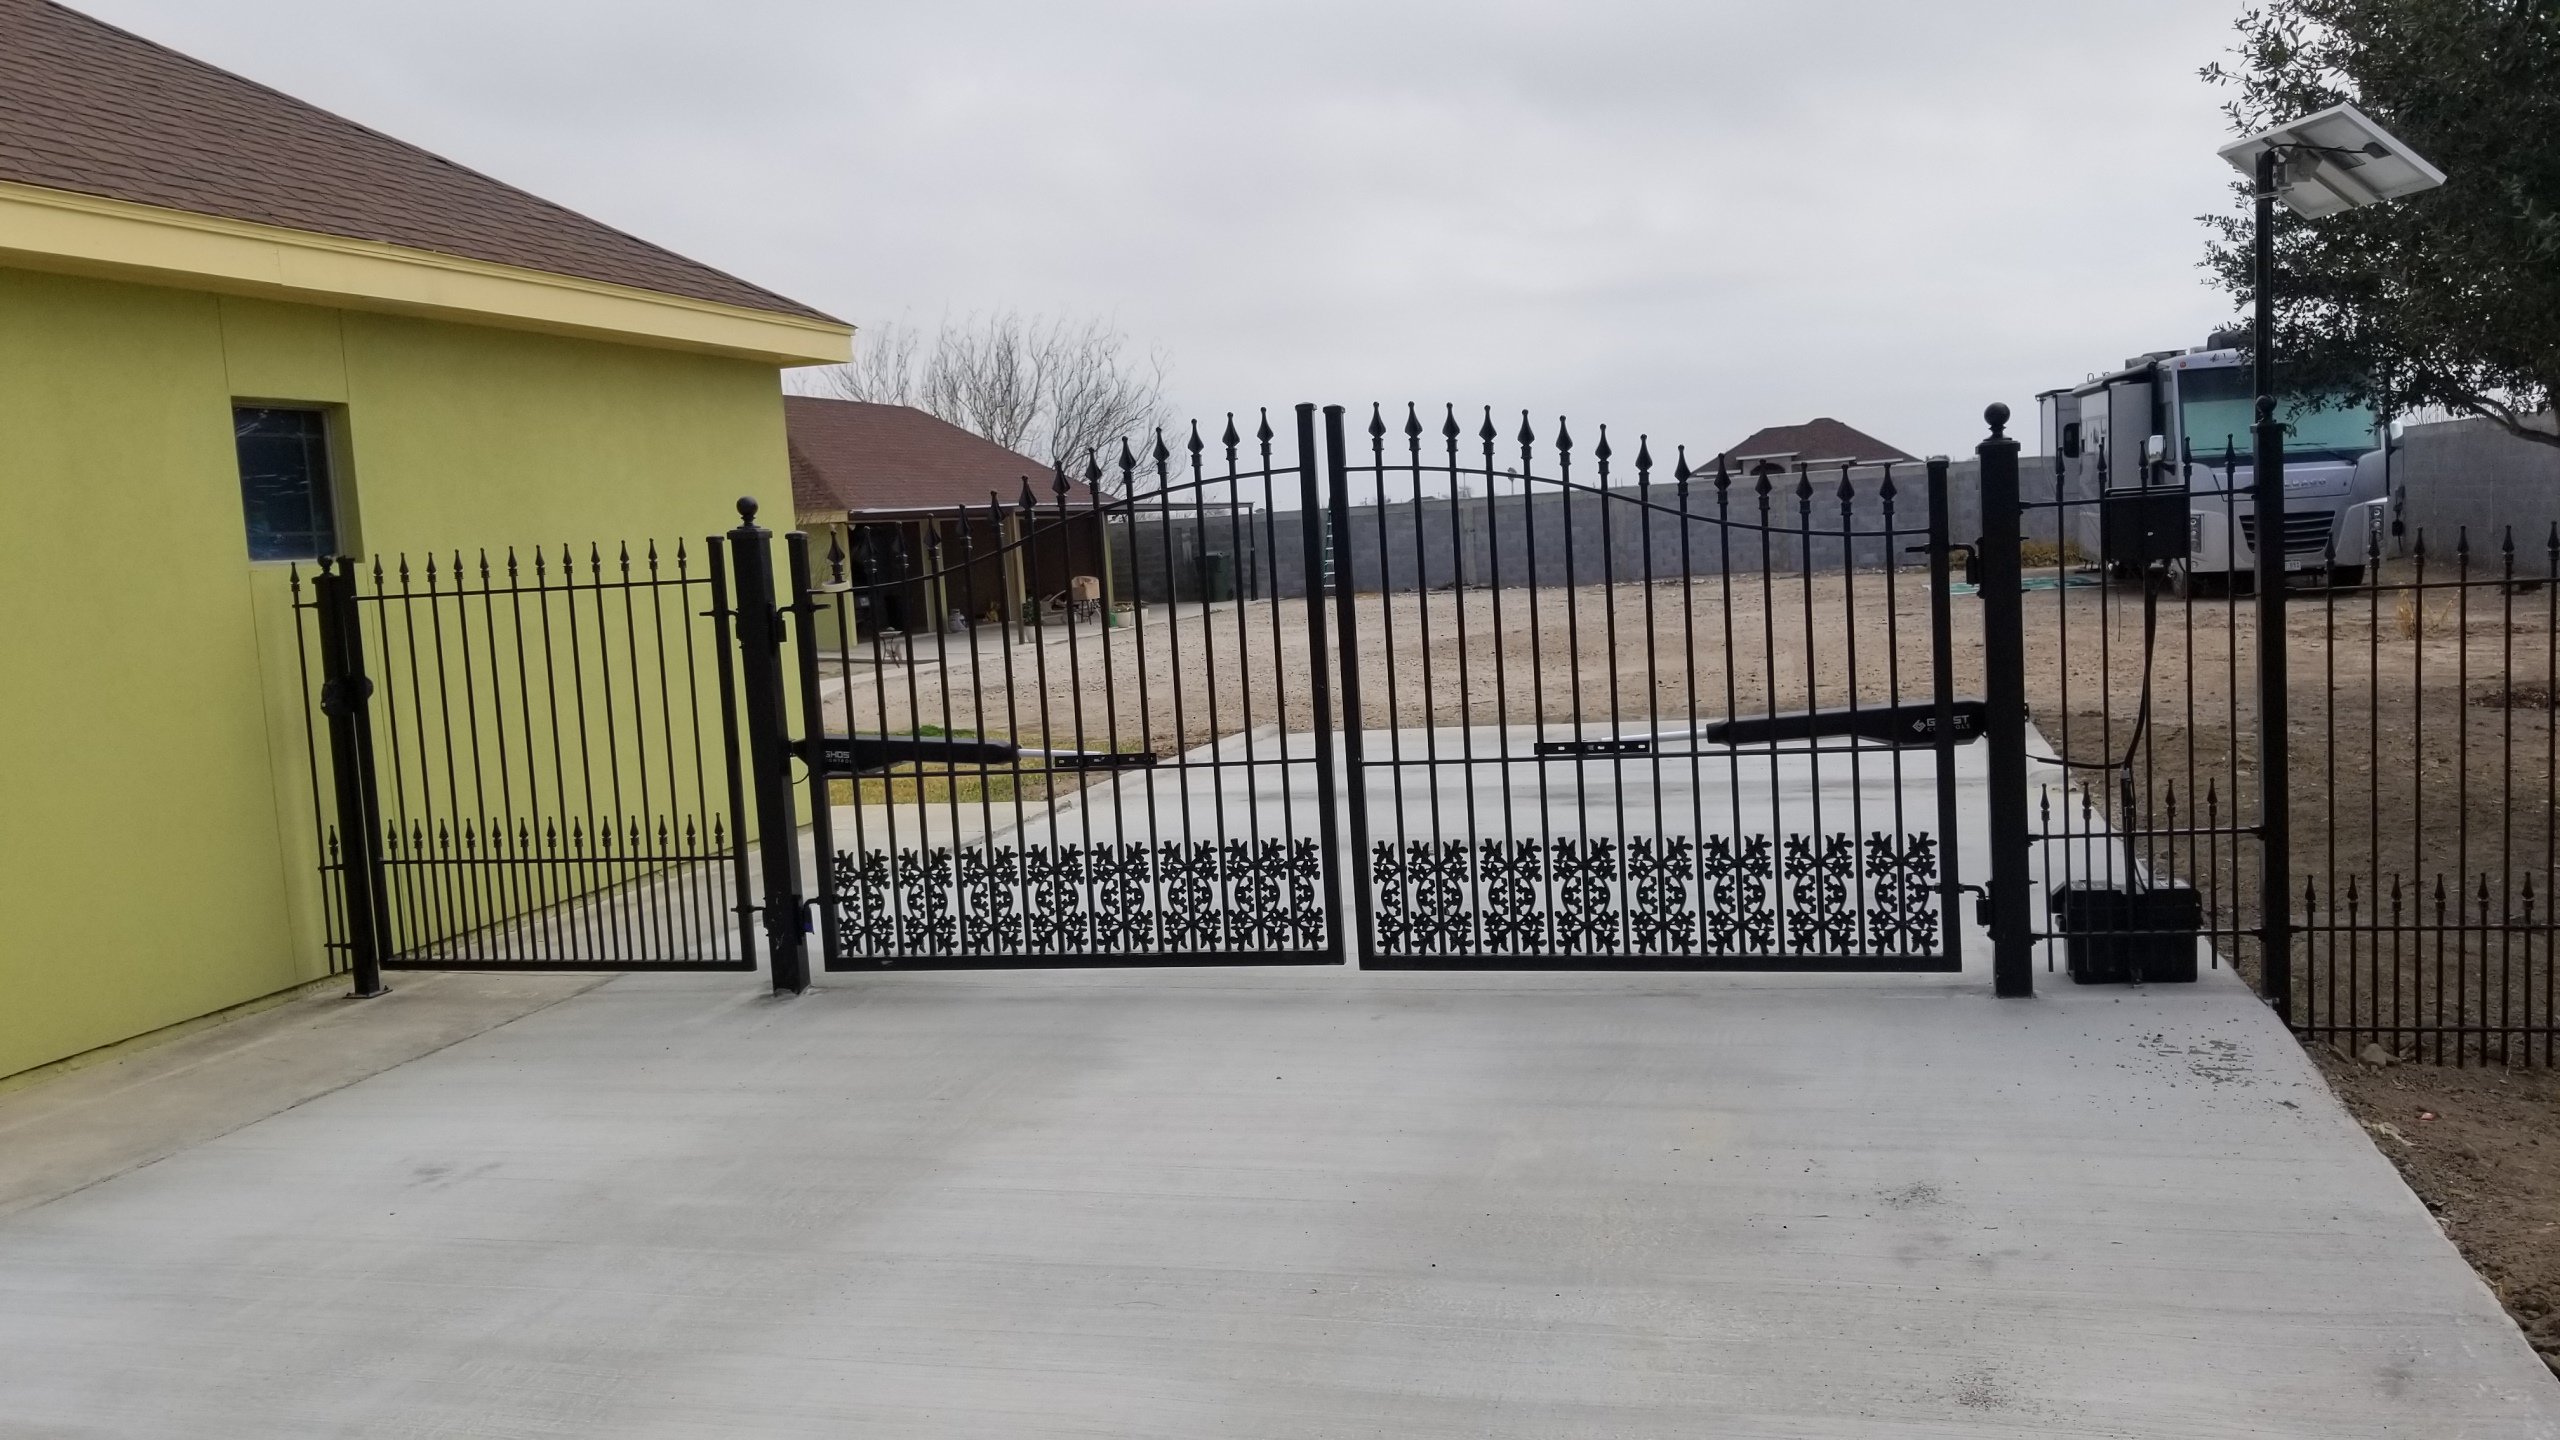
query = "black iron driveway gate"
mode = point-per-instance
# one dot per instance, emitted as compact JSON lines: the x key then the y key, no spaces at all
{"x":1701,"y":724}
{"x":1636,"y":721}
{"x":1101,"y":742}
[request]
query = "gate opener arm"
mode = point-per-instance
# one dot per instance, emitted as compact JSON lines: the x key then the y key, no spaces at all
{"x":1911,"y":726}
{"x":873,"y":754}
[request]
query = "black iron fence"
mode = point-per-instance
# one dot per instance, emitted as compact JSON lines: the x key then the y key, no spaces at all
{"x":1529,"y":705}
{"x":2393,"y":696}
{"x":2140,"y":777}
{"x":2426,"y":810}
{"x":532,"y":761}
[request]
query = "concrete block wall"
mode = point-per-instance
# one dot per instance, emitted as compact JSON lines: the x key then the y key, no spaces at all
{"x":2454,"y":476}
{"x":1551,"y":538}
{"x":2472,"y":476}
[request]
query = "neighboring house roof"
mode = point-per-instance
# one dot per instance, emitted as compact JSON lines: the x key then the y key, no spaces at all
{"x":1819,"y":439}
{"x":88,"y":108}
{"x":852,"y":456}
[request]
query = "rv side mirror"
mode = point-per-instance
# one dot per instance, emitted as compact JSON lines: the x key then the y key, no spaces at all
{"x":2071,"y":441}
{"x":2155,"y":449}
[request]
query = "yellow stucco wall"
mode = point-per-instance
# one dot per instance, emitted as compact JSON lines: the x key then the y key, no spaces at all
{"x":155,"y":817}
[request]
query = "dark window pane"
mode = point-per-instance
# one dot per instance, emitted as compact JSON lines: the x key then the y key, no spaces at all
{"x":284,"y":483}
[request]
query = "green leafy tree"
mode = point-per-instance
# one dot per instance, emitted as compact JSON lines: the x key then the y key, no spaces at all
{"x":2449,"y":299}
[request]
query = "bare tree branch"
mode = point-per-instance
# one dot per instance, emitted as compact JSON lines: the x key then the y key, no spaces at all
{"x":883,"y":369}
{"x":1054,"y":389}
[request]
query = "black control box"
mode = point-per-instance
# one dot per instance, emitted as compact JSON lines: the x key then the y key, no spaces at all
{"x":2115,"y":936}
{"x":2136,"y":527}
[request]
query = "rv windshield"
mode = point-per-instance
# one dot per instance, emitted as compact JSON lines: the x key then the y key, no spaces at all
{"x":2215,"y":408}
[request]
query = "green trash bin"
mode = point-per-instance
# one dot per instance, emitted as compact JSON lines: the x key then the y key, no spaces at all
{"x":1217,"y":575}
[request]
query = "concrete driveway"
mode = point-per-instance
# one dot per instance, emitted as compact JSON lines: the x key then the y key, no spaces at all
{"x":1251,"y":1203}
{"x":1263,"y":1203}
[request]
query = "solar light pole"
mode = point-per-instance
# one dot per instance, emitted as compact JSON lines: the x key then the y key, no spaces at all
{"x":2322,"y":164}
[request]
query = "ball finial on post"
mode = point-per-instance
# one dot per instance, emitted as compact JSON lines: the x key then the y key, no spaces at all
{"x":1997,"y":415}
{"x":746,"y":509}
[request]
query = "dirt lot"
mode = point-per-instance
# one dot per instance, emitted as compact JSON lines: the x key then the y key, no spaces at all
{"x":2423,"y":757}
{"x":2466,"y":803}
{"x":2422,"y":738}
{"x":2482,"y":1148}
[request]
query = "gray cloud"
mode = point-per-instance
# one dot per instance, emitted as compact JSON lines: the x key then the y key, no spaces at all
{"x":1691,"y":219}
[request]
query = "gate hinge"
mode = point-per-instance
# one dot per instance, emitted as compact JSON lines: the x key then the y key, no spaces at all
{"x":334,"y":699}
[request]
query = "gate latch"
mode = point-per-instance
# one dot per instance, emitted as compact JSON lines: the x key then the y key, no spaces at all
{"x":1981,"y":903}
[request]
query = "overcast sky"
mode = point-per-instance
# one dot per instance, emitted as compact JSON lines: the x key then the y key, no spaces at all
{"x":1688,"y":217}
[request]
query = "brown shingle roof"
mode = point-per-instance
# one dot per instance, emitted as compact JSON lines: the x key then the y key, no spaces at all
{"x":90,"y":108}
{"x":1819,"y":439}
{"x":854,"y":455}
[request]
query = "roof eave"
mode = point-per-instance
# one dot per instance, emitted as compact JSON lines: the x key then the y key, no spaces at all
{"x":72,"y":233}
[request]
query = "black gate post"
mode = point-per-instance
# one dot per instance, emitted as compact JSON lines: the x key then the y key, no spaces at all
{"x":2275,"y":793}
{"x":2275,"y":787}
{"x":2004,"y":693}
{"x":723,"y":618}
{"x":1312,"y":529}
{"x":769,"y":750}
{"x":1942,"y":715}
{"x":1339,"y":569}
{"x":813,"y":719}
{"x":346,"y":694}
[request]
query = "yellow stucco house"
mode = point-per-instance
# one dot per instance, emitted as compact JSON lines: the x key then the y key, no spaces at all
{"x":237,"y":332}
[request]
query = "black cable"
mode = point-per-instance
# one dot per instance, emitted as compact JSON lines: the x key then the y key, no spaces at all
{"x":2133,"y":742}
{"x":2142,"y":713}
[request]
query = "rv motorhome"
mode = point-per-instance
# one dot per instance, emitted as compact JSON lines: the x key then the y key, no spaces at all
{"x":2181,"y":420}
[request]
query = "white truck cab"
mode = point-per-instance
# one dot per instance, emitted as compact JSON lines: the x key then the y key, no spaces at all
{"x":2181,"y":420}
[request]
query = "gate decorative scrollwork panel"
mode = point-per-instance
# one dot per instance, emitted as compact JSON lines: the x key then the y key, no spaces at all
{"x":1839,"y":905}
{"x":1108,"y":903}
